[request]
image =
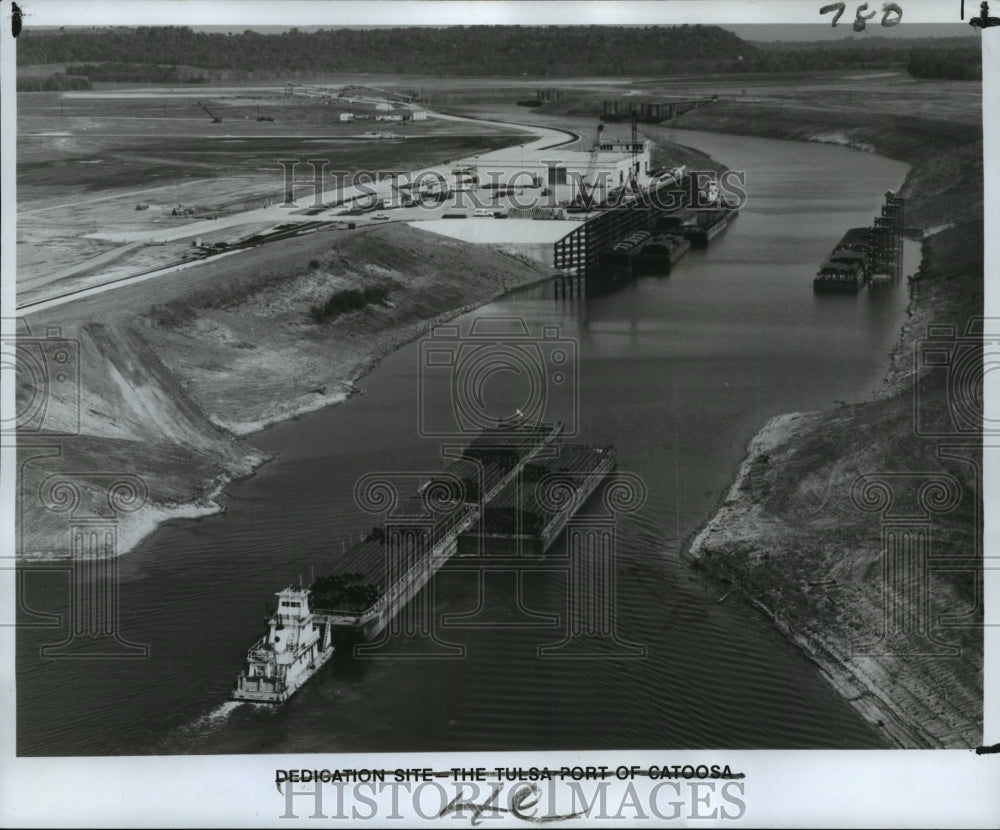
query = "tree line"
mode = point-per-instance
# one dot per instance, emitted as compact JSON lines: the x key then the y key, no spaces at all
{"x":136,"y":73}
{"x":954,"y":62}
{"x":153,"y":54}
{"x":453,"y":50}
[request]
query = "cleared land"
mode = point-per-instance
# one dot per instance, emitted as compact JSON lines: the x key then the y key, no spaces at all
{"x":99,"y":170}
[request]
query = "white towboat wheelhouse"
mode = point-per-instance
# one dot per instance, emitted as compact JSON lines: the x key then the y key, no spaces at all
{"x":288,"y":655}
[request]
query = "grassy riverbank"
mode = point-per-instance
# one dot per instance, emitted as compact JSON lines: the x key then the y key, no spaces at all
{"x":795,"y":533}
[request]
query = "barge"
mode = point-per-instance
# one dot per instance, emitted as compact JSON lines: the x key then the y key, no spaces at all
{"x":527,"y":515}
{"x":660,"y":253}
{"x":846,"y":269}
{"x":500,"y":471}
{"x":618,"y":255}
{"x":708,"y":225}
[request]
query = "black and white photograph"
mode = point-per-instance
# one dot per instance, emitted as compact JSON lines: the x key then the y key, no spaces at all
{"x":574,"y":413}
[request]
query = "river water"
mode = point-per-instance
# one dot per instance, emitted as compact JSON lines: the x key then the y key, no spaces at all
{"x":678,"y":372}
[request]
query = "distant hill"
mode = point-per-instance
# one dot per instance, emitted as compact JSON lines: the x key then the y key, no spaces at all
{"x":471,"y":51}
{"x":955,"y":58}
{"x":873,"y":42}
{"x":454,"y":50}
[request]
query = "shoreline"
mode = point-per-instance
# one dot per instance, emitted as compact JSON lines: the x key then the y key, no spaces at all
{"x":735,"y":540}
{"x":370,"y":363}
{"x":866,"y":697}
{"x":763,"y":517}
{"x":134,"y":528}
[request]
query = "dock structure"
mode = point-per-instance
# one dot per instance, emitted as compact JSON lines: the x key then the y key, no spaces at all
{"x":885,"y":249}
{"x":579,"y":252}
{"x":652,"y":231}
{"x":872,"y":255}
{"x":648,"y":112}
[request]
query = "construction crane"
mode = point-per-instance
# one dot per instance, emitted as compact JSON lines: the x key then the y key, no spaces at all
{"x":587,"y":187}
{"x":634,"y":169}
{"x":215,"y":118}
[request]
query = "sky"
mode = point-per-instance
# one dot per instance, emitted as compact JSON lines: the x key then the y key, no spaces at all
{"x":844,"y":30}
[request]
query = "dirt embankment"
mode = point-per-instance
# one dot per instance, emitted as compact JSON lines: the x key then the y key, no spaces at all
{"x":821,"y":495}
{"x":173,"y":372}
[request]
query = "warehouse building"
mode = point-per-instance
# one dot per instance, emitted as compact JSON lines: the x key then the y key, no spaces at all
{"x":605,"y":168}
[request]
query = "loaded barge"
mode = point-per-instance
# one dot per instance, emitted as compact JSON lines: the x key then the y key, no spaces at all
{"x":513,"y":488}
{"x":618,"y":256}
{"x":660,"y":253}
{"x":866,"y":255}
{"x":709,"y":224}
{"x":646,"y":252}
{"x":846,"y":269}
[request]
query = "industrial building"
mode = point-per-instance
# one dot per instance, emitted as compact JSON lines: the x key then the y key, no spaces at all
{"x":605,"y":167}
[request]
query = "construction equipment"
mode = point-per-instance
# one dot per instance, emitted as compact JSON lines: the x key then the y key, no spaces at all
{"x":402,"y":197}
{"x":634,"y":169}
{"x":584,"y":199}
{"x":215,"y":118}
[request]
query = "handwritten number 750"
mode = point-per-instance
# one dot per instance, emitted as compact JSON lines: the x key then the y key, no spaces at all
{"x":860,"y":19}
